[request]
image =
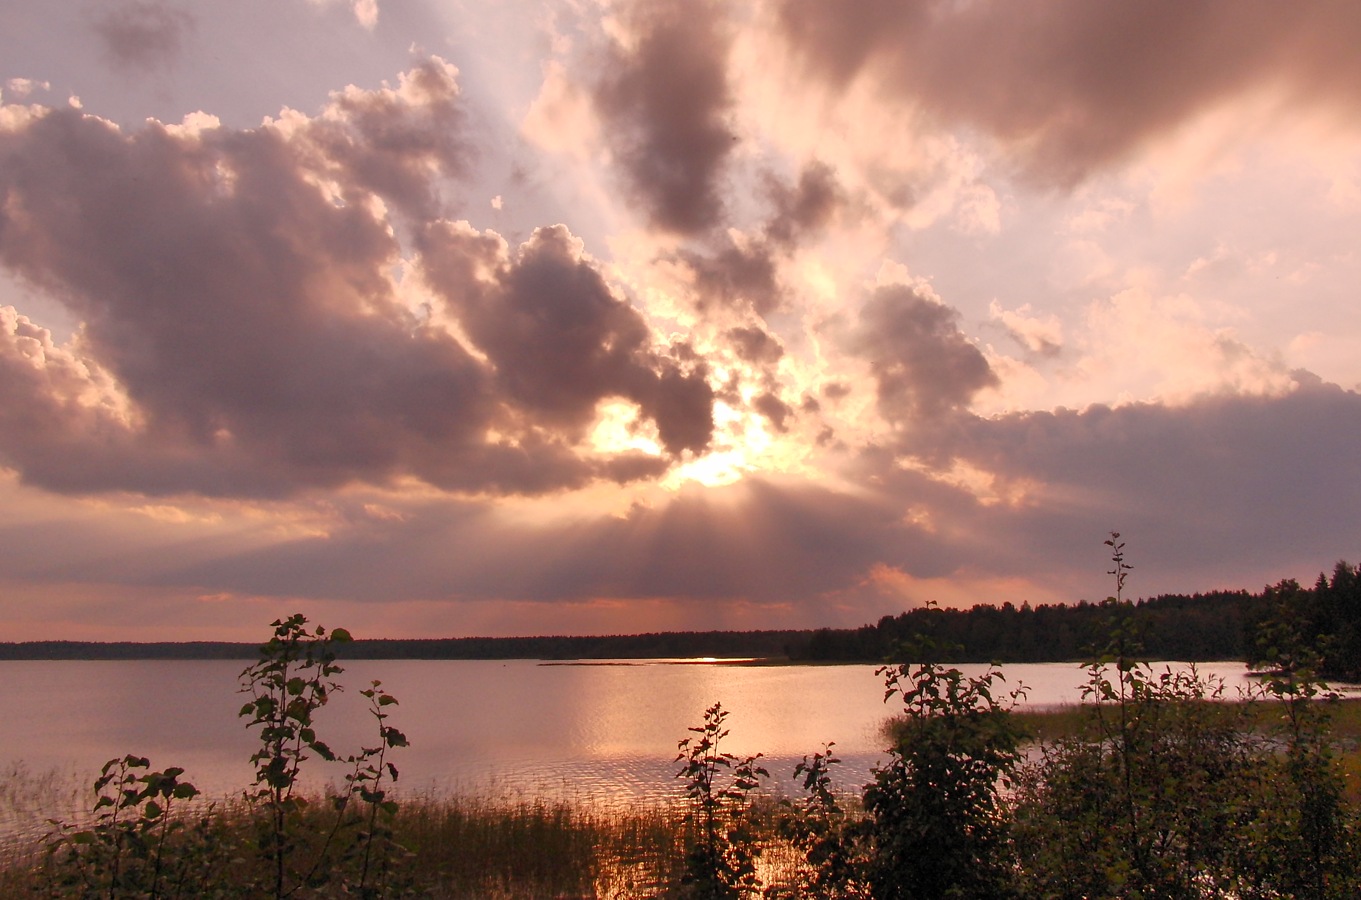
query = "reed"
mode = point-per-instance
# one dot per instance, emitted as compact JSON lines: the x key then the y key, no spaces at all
{"x":468,"y":846}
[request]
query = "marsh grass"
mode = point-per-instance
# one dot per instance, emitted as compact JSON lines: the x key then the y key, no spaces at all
{"x":476,"y":846}
{"x":29,"y":798}
{"x":486,"y":847}
{"x":1261,"y":716}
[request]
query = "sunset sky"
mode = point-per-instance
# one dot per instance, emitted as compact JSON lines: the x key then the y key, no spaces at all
{"x":431,"y":318}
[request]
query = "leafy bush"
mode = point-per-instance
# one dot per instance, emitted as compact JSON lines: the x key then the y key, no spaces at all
{"x":937,"y":825}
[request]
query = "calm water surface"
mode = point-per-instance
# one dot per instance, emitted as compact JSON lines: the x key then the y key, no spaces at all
{"x":605,"y":733}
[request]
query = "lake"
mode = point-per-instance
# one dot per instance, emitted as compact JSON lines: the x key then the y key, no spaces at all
{"x":599,"y":732}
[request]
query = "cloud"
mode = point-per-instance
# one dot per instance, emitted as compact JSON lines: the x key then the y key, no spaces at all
{"x":365,"y":11}
{"x":734,"y":274}
{"x":395,"y":142}
{"x":924,"y":367}
{"x":776,"y":411}
{"x":736,"y":270}
{"x":19,"y":88}
{"x":1204,"y":486}
{"x":1194,"y":490}
{"x":665,"y":102}
{"x":143,"y":35}
{"x":755,"y":345}
{"x":559,"y":340}
{"x":760,"y":541}
{"x":1039,"y":335}
{"x":275,"y":362}
{"x":1070,"y":86}
{"x":245,"y":334}
{"x":805,"y":207}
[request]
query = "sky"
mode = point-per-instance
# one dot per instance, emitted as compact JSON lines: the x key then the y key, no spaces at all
{"x":429,"y":318}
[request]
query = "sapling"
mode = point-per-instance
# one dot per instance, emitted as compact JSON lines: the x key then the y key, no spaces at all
{"x":721,"y":862}
{"x":294,"y":678}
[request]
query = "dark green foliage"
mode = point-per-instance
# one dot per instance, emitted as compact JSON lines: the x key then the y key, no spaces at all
{"x":1303,"y":843}
{"x":721,"y":860}
{"x":374,"y":845}
{"x":614,"y":646}
{"x":1325,"y":619}
{"x":292,"y":680}
{"x":1185,"y":627}
{"x":1146,"y":801}
{"x":937,"y":825}
{"x":830,"y":840}
{"x":136,"y":846}
{"x":1167,"y":793}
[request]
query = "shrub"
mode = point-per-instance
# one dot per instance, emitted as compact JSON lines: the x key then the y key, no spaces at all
{"x":937,"y":827}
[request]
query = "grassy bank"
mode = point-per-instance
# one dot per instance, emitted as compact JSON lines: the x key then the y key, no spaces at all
{"x":1260,"y":717}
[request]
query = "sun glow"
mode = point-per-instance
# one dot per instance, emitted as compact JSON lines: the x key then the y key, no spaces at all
{"x":619,"y":428}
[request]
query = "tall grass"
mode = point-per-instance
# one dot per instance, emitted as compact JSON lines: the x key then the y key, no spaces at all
{"x":471,"y":846}
{"x":29,"y":798}
{"x":487,"y":847}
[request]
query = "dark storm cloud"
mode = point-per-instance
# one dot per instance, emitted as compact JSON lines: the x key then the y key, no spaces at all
{"x":142,"y":35}
{"x":559,"y":340}
{"x":924,"y":366}
{"x":732,"y":272}
{"x":242,"y":312}
{"x":1073,"y":85}
{"x":665,"y":104}
{"x":240,"y":334}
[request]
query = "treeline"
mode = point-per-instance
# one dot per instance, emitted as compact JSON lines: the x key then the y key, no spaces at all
{"x":660,"y":645}
{"x":1217,"y":625}
{"x":1194,"y":628}
{"x":681,"y":644}
{"x":1318,"y":627}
